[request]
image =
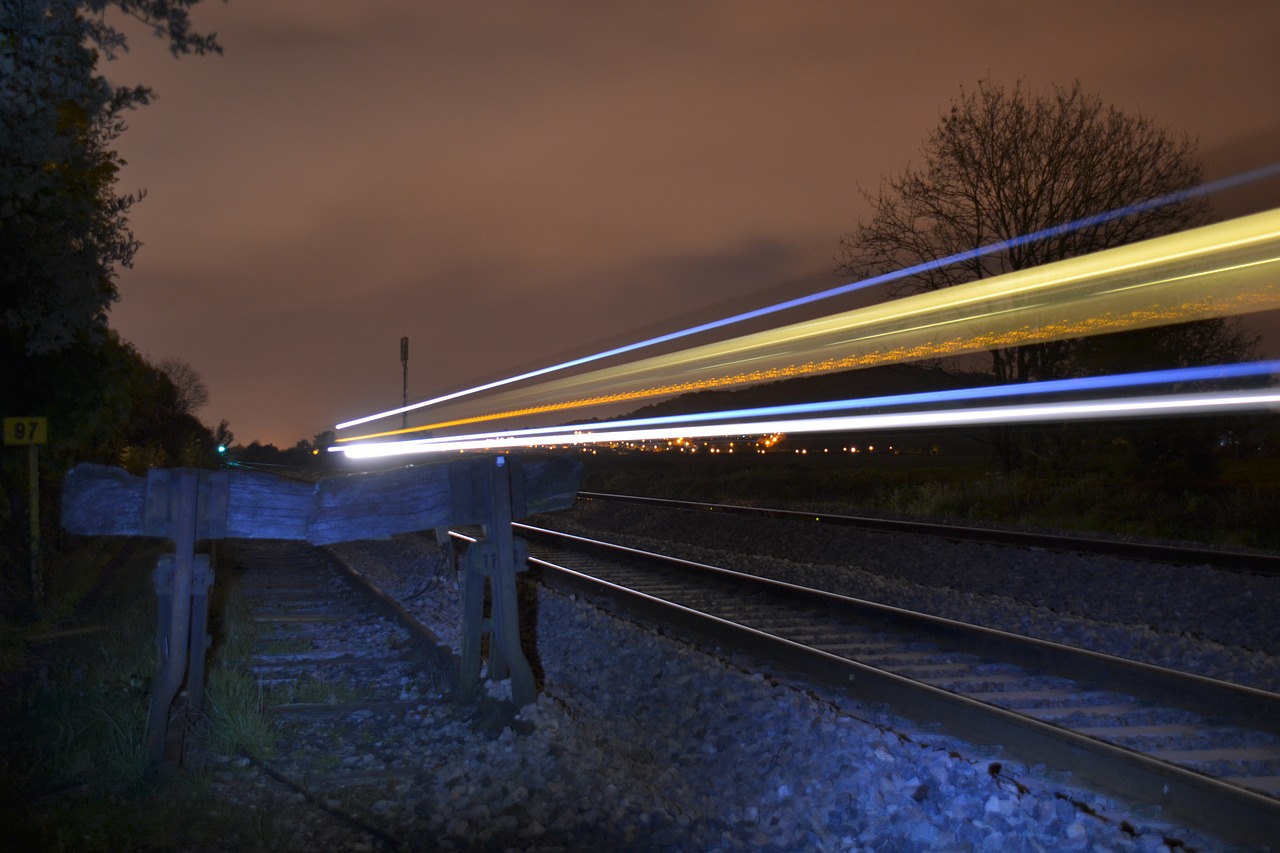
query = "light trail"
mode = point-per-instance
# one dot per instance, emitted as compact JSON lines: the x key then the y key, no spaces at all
{"x":1003,"y":245}
{"x":956,"y":346}
{"x":1101,"y":409}
{"x":1219,"y":270}
{"x":1149,"y":378}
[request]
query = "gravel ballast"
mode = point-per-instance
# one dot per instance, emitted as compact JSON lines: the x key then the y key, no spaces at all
{"x":638,"y":741}
{"x":1218,"y":624}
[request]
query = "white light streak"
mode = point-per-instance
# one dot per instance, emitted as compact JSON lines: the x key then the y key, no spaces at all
{"x":1098,"y":409}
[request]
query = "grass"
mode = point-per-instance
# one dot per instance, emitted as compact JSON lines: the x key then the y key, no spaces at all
{"x":234,"y":701}
{"x":286,"y":646}
{"x":74,"y":702}
{"x":77,"y":693}
{"x":313,"y":691}
{"x":237,"y":723}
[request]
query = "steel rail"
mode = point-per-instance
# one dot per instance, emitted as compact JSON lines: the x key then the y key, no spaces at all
{"x":1182,"y":555}
{"x":1224,"y":809}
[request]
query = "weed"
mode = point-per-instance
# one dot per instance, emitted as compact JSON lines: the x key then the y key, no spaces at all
{"x":284,"y":646}
{"x":306,"y":691}
{"x":234,"y":709}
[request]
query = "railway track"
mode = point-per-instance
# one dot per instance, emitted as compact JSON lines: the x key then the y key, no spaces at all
{"x":350,"y":688}
{"x":1205,"y":751}
{"x":343,"y":673}
{"x":1262,"y":563}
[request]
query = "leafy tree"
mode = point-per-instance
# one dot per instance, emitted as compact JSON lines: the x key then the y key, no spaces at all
{"x":63,"y":237}
{"x":63,"y":227}
{"x":1003,"y":163}
{"x":111,"y":407}
{"x":162,"y":431}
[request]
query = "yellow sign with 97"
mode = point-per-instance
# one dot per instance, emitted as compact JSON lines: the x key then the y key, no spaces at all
{"x":26,"y":430}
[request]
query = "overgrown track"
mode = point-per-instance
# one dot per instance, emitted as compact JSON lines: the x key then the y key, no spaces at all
{"x":339,"y":674}
{"x":1184,"y":555}
{"x":1207,"y":752}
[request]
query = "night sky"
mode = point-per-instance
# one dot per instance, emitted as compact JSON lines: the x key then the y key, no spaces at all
{"x":510,"y":183}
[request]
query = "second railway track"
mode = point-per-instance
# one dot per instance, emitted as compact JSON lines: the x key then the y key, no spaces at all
{"x":1248,"y":561}
{"x":1207,"y":752}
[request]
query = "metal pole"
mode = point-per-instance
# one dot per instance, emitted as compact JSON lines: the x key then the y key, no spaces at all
{"x":33,"y":482}
{"x":404,"y":363}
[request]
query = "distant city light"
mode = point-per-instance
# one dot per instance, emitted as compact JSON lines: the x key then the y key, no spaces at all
{"x":1149,"y":378}
{"x":1123,"y":407}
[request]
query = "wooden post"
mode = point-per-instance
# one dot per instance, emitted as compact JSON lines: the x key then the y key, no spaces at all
{"x":198,"y":643}
{"x":496,"y":559}
{"x":31,"y":431}
{"x":509,"y":657}
{"x":171,"y":507}
{"x":475,"y":564}
{"x":186,"y":505}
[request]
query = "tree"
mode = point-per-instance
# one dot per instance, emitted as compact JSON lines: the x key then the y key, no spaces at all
{"x":1003,"y":163}
{"x":63,"y":227}
{"x":223,"y":435}
{"x":191,"y":392}
{"x":63,"y":236}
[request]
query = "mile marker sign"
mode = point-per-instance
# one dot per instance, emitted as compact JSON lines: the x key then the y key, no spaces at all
{"x":26,"y":430}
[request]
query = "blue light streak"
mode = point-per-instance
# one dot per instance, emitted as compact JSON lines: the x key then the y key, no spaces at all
{"x":1074,"y":410}
{"x":1002,"y":245}
{"x":606,"y":431}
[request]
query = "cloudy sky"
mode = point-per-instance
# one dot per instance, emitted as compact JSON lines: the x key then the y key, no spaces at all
{"x":507,"y":183}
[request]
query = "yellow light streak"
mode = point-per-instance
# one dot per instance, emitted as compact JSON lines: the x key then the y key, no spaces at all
{"x":1224,"y":269}
{"x":1099,"y":409}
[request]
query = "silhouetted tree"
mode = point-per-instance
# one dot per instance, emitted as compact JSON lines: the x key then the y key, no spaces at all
{"x":191,"y":392}
{"x":1003,"y":163}
{"x":223,"y":435}
{"x":161,"y":431}
{"x":63,"y":226}
{"x":63,"y":236}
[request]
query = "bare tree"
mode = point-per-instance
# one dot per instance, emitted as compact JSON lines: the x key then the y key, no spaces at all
{"x":1006,"y":163}
{"x":190,"y":392}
